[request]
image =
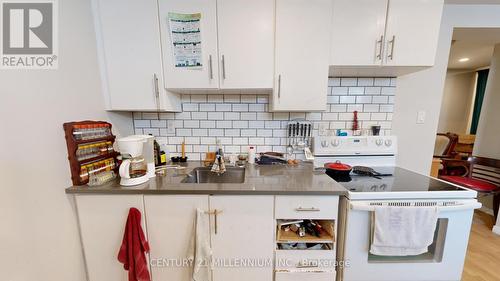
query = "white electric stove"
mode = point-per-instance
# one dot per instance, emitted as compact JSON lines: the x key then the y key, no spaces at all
{"x":399,"y":187}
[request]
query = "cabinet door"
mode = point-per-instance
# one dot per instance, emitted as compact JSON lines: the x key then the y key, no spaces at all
{"x":412,"y":32}
{"x":303,"y":33}
{"x":357,"y":32}
{"x":245,"y":232}
{"x":205,"y":77}
{"x":102,"y":224}
{"x":170,"y":220}
{"x":246,"y":43}
{"x":129,"y":43}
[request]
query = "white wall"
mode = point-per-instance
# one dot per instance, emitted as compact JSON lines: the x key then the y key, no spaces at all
{"x":38,"y":228}
{"x":488,"y":133}
{"x":424,"y":90}
{"x":457,"y":101}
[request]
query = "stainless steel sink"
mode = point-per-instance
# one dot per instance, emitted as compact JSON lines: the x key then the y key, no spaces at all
{"x":204,"y":175}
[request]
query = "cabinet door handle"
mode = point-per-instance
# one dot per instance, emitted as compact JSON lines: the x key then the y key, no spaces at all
{"x":157,"y":92}
{"x":215,"y":213}
{"x":210,"y":69}
{"x":380,"y":43}
{"x":279,"y":86}
{"x":312,"y":209}
{"x":223,"y":67}
{"x":392,"y":42}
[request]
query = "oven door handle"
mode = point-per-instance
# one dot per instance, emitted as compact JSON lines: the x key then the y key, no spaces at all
{"x":363,"y":206}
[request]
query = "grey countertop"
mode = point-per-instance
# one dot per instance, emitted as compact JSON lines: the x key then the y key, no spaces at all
{"x":259,"y":180}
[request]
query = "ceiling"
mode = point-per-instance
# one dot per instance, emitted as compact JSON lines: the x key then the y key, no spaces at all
{"x":474,"y":43}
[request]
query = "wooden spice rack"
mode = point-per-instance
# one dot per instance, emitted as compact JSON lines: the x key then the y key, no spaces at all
{"x":73,"y":144}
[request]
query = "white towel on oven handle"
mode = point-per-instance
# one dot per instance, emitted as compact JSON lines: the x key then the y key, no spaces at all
{"x":403,"y":231}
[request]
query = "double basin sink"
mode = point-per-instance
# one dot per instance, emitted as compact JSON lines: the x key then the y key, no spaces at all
{"x":205,"y":175}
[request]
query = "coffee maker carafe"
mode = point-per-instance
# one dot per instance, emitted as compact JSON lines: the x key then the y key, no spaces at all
{"x":134,"y":167}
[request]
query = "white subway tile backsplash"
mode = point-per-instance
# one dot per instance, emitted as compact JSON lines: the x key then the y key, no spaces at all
{"x":240,"y":107}
{"x":199,"y":115}
{"x":224,"y":124}
{"x":223,"y":107}
{"x":158,"y":123}
{"x":232,"y":132}
{"x":248,"y":116}
{"x":216,"y":98}
{"x":142,"y":123}
{"x":256,"y":124}
{"x":371,"y":108}
{"x":353,"y":91}
{"x":200,"y":132}
{"x":347,"y":99}
{"x":207,"y":107}
{"x":338,"y":108}
{"x":198,"y":98}
{"x":239,"y":118}
{"x":365,"y":81}
{"x":382,"y":81}
{"x":191,"y":124}
{"x":215,"y":116}
{"x":332,"y":99}
{"x":348,"y":81}
{"x":248,"y":98}
{"x":240,"y":124}
{"x":231,"y":116}
{"x":183,"y":115}
{"x":257,"y":107}
{"x":190,"y":107}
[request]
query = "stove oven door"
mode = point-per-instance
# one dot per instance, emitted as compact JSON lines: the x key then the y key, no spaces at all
{"x":445,"y":258}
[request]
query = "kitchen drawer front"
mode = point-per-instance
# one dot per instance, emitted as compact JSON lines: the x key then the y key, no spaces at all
{"x":317,"y":259}
{"x":306,"y":207}
{"x":305,"y":276}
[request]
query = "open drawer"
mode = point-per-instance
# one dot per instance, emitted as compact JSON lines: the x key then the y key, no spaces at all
{"x":305,"y":260}
{"x":326,"y":235}
{"x":305,"y":276}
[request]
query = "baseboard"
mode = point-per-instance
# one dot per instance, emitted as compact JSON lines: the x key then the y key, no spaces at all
{"x":496,"y":229}
{"x":486,"y":210}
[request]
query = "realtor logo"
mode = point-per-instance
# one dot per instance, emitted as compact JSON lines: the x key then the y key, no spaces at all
{"x":29,"y":34}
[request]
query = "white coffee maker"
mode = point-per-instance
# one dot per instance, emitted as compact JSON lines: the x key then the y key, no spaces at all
{"x":138,"y":159}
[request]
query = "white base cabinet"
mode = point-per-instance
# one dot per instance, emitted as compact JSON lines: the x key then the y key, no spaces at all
{"x":170,"y":221}
{"x":245,"y":231}
{"x":102,"y":224}
{"x":242,"y":234}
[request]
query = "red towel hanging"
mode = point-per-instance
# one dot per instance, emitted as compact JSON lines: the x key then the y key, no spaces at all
{"x":133,"y":248}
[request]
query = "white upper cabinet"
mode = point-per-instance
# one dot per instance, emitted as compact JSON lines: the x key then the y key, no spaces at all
{"x":412,"y":32}
{"x":246,"y":43}
{"x":367,"y":33}
{"x":303,"y":29}
{"x":237,"y":41}
{"x":130,"y":54}
{"x":358,"y":28}
{"x":207,"y":76}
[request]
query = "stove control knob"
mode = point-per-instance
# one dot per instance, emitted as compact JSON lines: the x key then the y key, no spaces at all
{"x":379,"y":142}
{"x":335,"y":142}
{"x":388,"y":142}
{"x":324,"y":144}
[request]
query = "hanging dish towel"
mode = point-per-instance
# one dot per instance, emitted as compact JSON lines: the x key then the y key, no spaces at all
{"x":403,"y":231}
{"x":200,"y":252}
{"x":133,"y":246}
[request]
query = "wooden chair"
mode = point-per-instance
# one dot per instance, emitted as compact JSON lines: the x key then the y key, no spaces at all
{"x":445,"y":145}
{"x":480,"y":174}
